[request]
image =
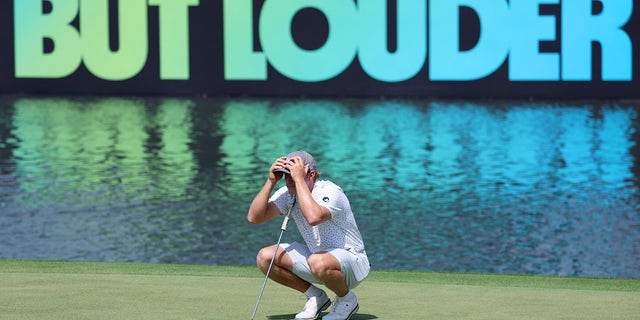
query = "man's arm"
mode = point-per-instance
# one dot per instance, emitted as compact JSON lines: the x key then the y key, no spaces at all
{"x":311,"y":210}
{"x":261,"y":210}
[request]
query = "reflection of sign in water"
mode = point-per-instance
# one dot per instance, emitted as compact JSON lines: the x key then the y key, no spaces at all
{"x":527,"y":188}
{"x":250,"y":46}
{"x":103,"y":146}
{"x":415,"y":147}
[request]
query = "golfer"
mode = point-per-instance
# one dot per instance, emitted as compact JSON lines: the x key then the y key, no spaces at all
{"x":333,"y":253}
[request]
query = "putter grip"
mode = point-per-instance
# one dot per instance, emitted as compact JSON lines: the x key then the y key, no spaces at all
{"x":285,"y":223}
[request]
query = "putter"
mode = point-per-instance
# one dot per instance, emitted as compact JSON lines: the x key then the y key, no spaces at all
{"x":283,"y":228}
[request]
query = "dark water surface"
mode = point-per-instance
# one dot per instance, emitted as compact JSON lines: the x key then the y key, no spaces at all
{"x":482,"y":186}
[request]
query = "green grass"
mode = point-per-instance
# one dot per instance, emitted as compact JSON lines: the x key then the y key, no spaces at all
{"x":89,"y":290}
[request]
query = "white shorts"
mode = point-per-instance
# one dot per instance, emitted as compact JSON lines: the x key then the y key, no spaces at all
{"x":354,"y":266}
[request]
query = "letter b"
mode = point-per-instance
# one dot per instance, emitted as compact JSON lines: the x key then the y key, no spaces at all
{"x":32,"y":27}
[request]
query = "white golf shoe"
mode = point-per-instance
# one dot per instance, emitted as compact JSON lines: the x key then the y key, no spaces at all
{"x":313,"y":307}
{"x":343,"y":308}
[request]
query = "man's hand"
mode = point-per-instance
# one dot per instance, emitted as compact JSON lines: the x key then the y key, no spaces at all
{"x":297,"y":168}
{"x":274,"y":175}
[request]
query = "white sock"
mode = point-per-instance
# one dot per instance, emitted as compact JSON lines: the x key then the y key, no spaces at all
{"x":313,"y":291}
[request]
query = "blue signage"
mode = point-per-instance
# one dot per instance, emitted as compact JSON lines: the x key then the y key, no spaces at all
{"x":435,"y":48}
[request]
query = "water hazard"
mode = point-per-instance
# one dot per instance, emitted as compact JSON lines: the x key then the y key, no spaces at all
{"x":480,"y":186}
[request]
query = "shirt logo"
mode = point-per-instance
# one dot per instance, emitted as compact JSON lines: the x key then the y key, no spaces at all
{"x":325,"y":199}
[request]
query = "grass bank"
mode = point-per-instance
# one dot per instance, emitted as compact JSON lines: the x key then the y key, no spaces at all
{"x":89,"y":290}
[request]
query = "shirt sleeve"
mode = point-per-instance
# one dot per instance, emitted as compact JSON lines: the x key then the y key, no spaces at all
{"x":280,"y":198}
{"x":333,"y":199}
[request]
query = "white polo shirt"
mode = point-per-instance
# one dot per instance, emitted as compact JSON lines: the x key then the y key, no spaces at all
{"x":340,"y":231}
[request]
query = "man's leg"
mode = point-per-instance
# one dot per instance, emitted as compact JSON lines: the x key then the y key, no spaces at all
{"x":281,"y":269}
{"x":281,"y":272}
{"x":326,"y":268}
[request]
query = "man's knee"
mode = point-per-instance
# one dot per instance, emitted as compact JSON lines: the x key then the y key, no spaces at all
{"x":320,"y":264}
{"x":263,"y":259}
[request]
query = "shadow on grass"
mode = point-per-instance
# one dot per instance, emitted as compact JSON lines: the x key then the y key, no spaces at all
{"x":357,"y":316}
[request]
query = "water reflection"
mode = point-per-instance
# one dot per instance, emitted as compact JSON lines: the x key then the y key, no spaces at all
{"x":511,"y":187}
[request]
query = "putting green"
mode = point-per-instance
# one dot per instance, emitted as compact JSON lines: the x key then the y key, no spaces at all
{"x":87,"y":290}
